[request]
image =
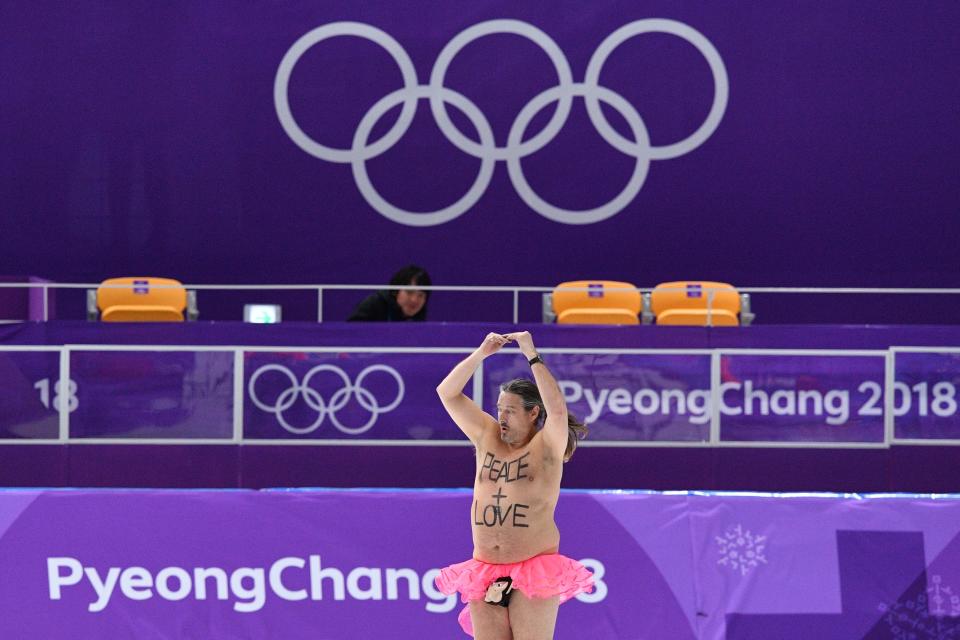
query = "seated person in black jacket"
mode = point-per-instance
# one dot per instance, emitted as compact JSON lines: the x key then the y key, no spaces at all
{"x":393,"y":305}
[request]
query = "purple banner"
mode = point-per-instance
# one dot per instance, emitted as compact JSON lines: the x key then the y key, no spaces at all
{"x":801,"y":398}
{"x":722,"y":129}
{"x":657,"y":396}
{"x":381,"y":396}
{"x":622,"y":397}
{"x":30,"y":394}
{"x":152,"y":394}
{"x":327,"y":564}
{"x":925,"y":395}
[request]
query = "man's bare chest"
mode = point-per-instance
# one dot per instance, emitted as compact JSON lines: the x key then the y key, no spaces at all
{"x":498,"y":467}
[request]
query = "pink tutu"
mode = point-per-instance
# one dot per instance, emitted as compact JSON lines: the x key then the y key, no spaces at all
{"x":538,"y":577}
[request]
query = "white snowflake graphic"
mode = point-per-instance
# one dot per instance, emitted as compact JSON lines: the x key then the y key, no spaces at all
{"x":943,"y":600}
{"x":928,"y":616}
{"x":741,"y":550}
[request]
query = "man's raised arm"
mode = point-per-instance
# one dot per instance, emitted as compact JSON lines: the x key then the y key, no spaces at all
{"x":471,"y":419}
{"x":555,"y":425}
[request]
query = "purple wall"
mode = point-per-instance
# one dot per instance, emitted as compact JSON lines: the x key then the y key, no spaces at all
{"x":143,"y":138}
{"x":175,"y":564}
{"x":900,"y":468}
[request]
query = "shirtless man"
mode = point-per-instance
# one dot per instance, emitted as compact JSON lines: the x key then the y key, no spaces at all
{"x":516,"y":579}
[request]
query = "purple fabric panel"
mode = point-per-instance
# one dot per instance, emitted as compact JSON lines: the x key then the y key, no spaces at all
{"x":901,"y":468}
{"x":322,"y":563}
{"x":797,"y":398}
{"x":922,"y":467}
{"x":346,"y":395}
{"x":36,"y":466}
{"x":853,"y":470}
{"x":13,"y":302}
{"x":141,"y":154}
{"x":31,"y":394}
{"x":918,"y":469}
{"x":432,"y":334}
{"x":166,"y":466}
{"x":159,"y":394}
{"x":878,"y":567}
{"x":851,"y":309}
{"x":346,"y":466}
{"x":925,"y":395}
{"x":642,"y":468}
{"x":660,"y":397}
{"x":833,"y":336}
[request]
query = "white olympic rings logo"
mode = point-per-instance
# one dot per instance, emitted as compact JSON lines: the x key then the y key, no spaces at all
{"x":516,"y":148}
{"x":325,"y":407}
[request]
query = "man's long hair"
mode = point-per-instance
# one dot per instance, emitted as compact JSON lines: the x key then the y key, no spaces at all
{"x":530,"y":395}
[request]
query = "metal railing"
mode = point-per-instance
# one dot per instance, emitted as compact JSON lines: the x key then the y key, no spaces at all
{"x":881,"y":403}
{"x":513,"y":291}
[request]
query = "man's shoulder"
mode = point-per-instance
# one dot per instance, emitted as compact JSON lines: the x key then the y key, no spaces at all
{"x":489,"y":441}
{"x":543,"y":451}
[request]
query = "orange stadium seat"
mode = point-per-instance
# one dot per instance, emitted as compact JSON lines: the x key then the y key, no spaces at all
{"x":697,"y":303}
{"x":596,"y":302}
{"x":141,"y":300}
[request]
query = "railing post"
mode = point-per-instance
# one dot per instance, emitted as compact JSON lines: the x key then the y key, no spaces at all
{"x":889,"y":397}
{"x":319,"y":304}
{"x":715,"y":398}
{"x":237,"y":395}
{"x":478,"y":386}
{"x":516,"y":305}
{"x":63,"y":411}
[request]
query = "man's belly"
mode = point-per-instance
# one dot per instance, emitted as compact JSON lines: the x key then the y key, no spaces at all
{"x":512,"y":530}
